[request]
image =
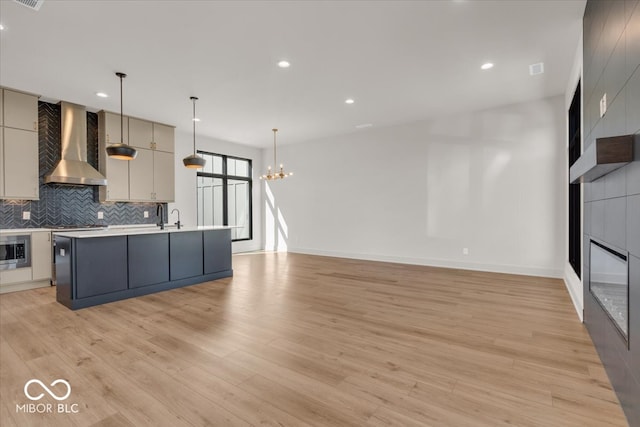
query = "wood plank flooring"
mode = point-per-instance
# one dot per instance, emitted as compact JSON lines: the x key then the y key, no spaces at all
{"x":302,"y":340}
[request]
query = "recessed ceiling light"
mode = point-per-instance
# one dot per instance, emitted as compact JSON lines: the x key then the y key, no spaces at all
{"x":284,"y":64}
{"x":364,"y":125}
{"x":102,"y":95}
{"x":1,"y":27}
{"x":349,"y":101}
{"x":195,"y":119}
{"x":487,"y":66}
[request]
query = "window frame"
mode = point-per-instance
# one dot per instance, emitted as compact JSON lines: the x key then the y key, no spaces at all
{"x":225,"y":177}
{"x":575,"y":190}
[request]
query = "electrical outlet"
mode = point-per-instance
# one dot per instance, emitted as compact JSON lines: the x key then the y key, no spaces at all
{"x":146,"y":214}
{"x":465,"y":251}
{"x":26,"y":215}
{"x":100,"y":215}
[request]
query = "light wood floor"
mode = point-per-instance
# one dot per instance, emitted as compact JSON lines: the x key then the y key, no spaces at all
{"x":302,"y":340}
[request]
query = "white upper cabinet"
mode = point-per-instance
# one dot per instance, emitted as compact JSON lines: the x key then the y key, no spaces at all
{"x":163,"y":137}
{"x":20,"y":149}
{"x":141,"y":133}
{"x":19,"y":163}
{"x":111,"y":128}
{"x":116,"y":171}
{"x":150,"y":135}
{"x":20,"y":110}
{"x":141,"y":176}
{"x":2,"y":162}
{"x":150,"y":176}
{"x":163,"y":176}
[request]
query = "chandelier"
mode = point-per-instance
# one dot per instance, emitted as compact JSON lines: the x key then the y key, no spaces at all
{"x":273,"y":175}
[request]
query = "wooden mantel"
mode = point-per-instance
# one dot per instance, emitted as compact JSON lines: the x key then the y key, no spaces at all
{"x":603,"y":156}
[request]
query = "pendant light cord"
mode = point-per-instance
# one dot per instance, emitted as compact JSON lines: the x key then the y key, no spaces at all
{"x":121,"y":75}
{"x":194,"y":99}
{"x":275,"y":165}
{"x":121,"y":114}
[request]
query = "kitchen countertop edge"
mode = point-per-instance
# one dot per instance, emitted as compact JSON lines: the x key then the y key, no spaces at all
{"x":134,"y":231}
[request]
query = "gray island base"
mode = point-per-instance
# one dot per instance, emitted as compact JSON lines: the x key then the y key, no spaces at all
{"x":98,"y":267}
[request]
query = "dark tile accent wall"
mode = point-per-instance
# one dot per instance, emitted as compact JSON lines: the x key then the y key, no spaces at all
{"x":67,"y":204}
{"x":612,"y":204}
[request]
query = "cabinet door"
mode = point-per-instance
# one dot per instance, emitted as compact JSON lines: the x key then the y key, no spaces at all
{"x":20,"y":110}
{"x":186,"y":254}
{"x":140,"y":133}
{"x":148,"y":259}
{"x":112,"y":128}
{"x":20,"y":164}
{"x":101,"y":265}
{"x":141,"y":176}
{"x":163,"y":176}
{"x":1,"y":107}
{"x":2,"y":157}
{"x":117,"y":173}
{"x":41,"y":255}
{"x":164,"y":137}
{"x":16,"y":275}
{"x":217,"y":251}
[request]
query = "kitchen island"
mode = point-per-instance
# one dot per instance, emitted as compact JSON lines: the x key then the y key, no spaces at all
{"x":97,"y":267}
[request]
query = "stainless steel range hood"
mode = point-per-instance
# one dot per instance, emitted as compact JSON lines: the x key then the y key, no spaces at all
{"x":73,"y":167}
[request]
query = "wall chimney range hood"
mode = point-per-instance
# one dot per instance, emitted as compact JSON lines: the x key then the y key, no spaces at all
{"x":73,"y":167}
{"x":602,"y":157}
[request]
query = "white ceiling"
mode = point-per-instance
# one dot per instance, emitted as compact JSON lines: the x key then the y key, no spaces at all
{"x":401,"y":61}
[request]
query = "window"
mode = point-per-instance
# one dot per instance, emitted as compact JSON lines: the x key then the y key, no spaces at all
{"x":224,"y":194}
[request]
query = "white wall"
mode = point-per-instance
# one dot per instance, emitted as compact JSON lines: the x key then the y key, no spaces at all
{"x":571,"y":279}
{"x":186,"y":195}
{"x":491,"y":181}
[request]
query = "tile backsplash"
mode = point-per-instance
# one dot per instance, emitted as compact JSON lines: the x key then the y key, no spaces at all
{"x":69,"y":204}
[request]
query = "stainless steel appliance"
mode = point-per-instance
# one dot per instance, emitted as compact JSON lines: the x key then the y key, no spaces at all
{"x":15,"y":252}
{"x":56,"y":228}
{"x":73,"y":167}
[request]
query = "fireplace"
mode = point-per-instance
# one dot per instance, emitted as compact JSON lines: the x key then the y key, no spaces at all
{"x":609,"y":284}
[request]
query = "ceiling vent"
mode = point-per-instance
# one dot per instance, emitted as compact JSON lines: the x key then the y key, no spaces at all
{"x":535,"y":69}
{"x":31,"y":4}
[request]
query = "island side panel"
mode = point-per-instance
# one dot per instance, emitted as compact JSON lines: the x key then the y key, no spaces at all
{"x":217,"y":251}
{"x":148,"y":259}
{"x":185,"y":251}
{"x":64,"y":274}
{"x":101,"y":265}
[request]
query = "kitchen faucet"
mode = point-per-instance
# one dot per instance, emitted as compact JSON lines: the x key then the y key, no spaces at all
{"x":177,"y":223}
{"x":160,"y":214}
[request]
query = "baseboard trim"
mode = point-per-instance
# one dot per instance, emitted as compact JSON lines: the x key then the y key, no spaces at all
{"x":15,"y":287}
{"x":434,"y":262}
{"x":575,"y":289}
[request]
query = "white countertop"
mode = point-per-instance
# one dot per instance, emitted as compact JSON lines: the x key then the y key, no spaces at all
{"x":123,"y":230}
{"x":22,"y":230}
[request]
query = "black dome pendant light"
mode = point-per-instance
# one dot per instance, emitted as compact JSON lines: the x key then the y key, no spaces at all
{"x":194,"y":161}
{"x":121,"y":151}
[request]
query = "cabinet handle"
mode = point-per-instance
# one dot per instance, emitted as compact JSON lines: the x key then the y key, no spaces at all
{"x":35,"y":125}
{"x":108,"y":139}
